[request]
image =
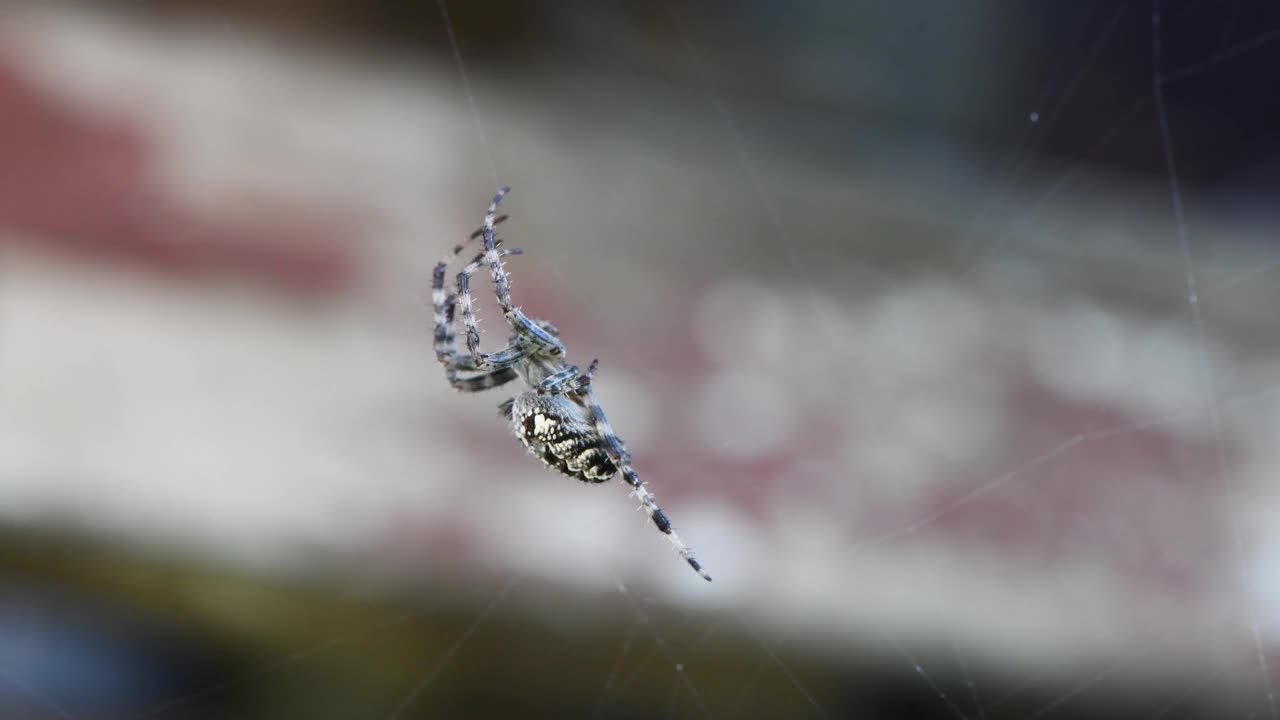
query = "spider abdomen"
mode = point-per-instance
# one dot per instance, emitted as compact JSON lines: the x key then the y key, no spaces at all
{"x":557,"y":431}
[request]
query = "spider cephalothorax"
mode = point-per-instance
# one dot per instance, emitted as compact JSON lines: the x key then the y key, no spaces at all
{"x":557,"y":418}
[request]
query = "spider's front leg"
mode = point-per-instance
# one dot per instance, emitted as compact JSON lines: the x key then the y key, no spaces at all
{"x":445,"y":303}
{"x":503,"y":358}
{"x":528,"y":329}
{"x":446,"y":341}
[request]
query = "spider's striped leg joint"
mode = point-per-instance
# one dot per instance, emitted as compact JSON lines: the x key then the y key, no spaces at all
{"x":571,"y":379}
{"x":480,"y":230}
{"x":558,"y":382}
{"x":663,"y":524}
{"x":659,"y":518}
{"x":484,"y":381}
{"x":491,"y":218}
{"x":533,"y":331}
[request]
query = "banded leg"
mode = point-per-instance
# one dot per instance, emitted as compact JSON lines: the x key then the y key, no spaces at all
{"x":568,"y":380}
{"x":478,"y":360}
{"x":502,"y":287}
{"x":478,"y":383}
{"x":456,"y":362}
{"x":622,"y":459}
{"x":445,"y":304}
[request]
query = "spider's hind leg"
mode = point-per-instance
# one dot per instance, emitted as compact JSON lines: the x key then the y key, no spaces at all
{"x":621,"y":458}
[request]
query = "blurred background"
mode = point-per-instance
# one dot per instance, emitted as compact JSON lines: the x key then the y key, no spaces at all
{"x":943,"y":331}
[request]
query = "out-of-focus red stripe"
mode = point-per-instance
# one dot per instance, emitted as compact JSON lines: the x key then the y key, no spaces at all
{"x":83,"y":183}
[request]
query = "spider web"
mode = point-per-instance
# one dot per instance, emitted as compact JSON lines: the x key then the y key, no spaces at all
{"x":1009,"y":228}
{"x":793,"y":254}
{"x":1211,"y":401}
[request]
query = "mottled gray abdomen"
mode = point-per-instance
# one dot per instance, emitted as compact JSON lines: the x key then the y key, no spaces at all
{"x":557,"y":431}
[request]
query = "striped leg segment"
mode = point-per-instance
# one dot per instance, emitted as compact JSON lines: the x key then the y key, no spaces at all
{"x":620,"y":457}
{"x":502,"y":286}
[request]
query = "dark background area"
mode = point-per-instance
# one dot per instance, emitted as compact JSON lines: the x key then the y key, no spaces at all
{"x":1085,"y":68}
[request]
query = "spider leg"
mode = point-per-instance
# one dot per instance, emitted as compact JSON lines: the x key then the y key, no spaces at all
{"x":443,"y":303}
{"x":478,"y":383}
{"x":618,"y":454}
{"x":502,"y":286}
{"x":454,"y":362}
{"x":480,"y":230}
{"x":505,"y":407}
{"x":503,"y":358}
{"x":571,"y":379}
{"x":446,"y":341}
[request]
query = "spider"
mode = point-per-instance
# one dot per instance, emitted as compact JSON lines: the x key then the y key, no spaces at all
{"x":557,"y":417}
